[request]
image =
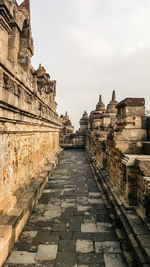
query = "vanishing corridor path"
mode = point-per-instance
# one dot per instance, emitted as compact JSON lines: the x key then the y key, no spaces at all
{"x":70,"y":225}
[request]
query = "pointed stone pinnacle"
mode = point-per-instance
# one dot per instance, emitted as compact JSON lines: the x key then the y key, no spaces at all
{"x":100,"y":98}
{"x":85,"y":114}
{"x":114,"y":96}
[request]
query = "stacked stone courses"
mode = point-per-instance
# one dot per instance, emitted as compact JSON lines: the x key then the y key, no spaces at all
{"x":29,"y":123}
{"x":120,"y":144}
{"x":118,"y":149}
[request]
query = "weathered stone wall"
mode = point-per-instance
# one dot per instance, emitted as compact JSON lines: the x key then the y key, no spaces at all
{"x":22,"y":157}
{"x":118,"y":149}
{"x":29,"y":123}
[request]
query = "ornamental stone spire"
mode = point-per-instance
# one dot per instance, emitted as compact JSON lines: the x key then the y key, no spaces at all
{"x":111,"y":107}
{"x":114,"y":96}
{"x":66,"y":116}
{"x":85,"y":114}
{"x":100,"y":106}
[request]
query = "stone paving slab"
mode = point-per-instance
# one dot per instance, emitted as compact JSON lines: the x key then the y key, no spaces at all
{"x":70,"y":226}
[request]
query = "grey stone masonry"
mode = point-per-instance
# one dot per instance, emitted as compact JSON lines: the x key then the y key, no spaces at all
{"x":70,"y":226}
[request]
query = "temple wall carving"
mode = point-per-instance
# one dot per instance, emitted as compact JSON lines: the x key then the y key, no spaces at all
{"x":29,"y":123}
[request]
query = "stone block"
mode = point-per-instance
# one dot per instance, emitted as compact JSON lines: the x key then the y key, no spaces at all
{"x":46,"y":252}
{"x":66,"y":259}
{"x":21,"y":257}
{"x":90,"y":258}
{"x":84,"y":246}
{"x":88,"y":228}
{"x":114,"y":259}
{"x":108,"y":247}
{"x":67,"y":245}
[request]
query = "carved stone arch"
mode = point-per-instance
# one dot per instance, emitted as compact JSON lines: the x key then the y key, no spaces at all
{"x":25,"y":33}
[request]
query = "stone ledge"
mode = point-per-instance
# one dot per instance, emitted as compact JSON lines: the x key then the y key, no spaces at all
{"x":136,"y":228}
{"x":12,"y":224}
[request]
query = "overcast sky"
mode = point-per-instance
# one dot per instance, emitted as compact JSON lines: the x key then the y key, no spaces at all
{"x":92,"y":47}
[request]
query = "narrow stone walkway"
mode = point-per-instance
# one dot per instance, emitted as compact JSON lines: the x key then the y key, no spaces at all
{"x":70,"y":225}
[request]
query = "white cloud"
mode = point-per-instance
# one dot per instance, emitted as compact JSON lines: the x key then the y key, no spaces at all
{"x":92,"y":47}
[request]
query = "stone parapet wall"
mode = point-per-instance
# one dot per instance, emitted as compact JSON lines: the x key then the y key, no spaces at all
{"x":119,"y":151}
{"x":128,"y":173}
{"x":143,"y":184}
{"x":135,"y":228}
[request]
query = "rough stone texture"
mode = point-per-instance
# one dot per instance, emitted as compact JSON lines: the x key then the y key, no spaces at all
{"x":117,"y":159}
{"x":29,"y":123}
{"x":59,"y":240}
{"x":71,"y":208}
{"x":117,"y":149}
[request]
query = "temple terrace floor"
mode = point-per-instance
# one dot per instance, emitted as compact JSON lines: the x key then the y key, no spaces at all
{"x":70,"y":226}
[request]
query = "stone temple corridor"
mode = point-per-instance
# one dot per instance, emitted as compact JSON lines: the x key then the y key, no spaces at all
{"x":71,"y":225}
{"x":93,"y":208}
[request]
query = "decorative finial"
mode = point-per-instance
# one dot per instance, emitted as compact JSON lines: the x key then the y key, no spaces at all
{"x":114,"y":96}
{"x":111,"y":107}
{"x":100,"y":106}
{"x":100,"y":98}
{"x":85,"y":114}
